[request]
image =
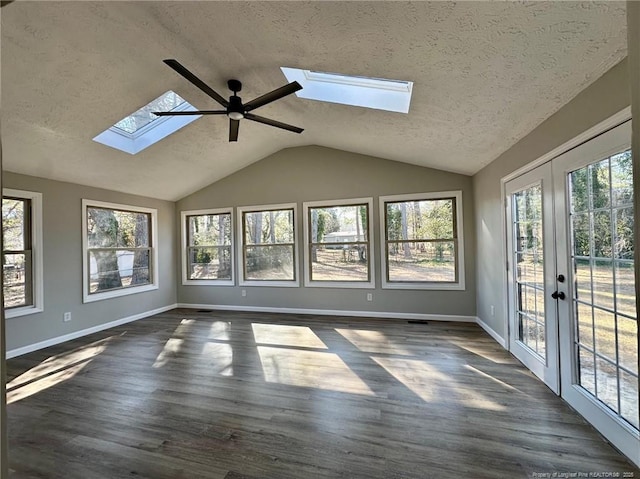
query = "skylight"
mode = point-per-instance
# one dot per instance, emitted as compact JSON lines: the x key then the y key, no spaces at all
{"x":142,"y":128}
{"x":377,"y":93}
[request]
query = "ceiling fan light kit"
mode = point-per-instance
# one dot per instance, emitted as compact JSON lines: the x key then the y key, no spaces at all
{"x":235,"y":110}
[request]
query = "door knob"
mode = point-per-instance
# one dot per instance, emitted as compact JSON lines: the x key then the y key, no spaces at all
{"x":560,"y":278}
{"x":557,"y":295}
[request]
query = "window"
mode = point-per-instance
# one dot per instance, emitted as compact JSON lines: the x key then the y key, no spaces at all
{"x":142,"y":128}
{"x":120,"y":255}
{"x":269,"y":255}
{"x":22,"y":253}
{"x":423,"y":247}
{"x":207,"y":247}
{"x":338,"y":243}
{"x":377,"y":93}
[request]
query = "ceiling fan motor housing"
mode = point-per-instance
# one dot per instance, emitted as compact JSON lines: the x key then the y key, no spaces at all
{"x":235,"y":106}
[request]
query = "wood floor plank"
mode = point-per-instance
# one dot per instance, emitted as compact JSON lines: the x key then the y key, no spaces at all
{"x":267,"y":396}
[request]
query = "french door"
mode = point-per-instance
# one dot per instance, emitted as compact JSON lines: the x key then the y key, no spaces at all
{"x":534,"y":317}
{"x":586,"y":287}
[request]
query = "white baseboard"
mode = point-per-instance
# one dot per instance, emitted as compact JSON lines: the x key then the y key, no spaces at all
{"x":84,"y":332}
{"x":331,"y":312}
{"x":491,"y":332}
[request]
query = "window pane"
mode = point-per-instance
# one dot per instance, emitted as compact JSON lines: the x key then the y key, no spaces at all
{"x":107,"y":228}
{"x":210,"y":263}
{"x":269,"y":263}
{"x":623,"y":246}
{"x":339,"y":224}
{"x":16,"y":269}
{"x":210,"y":230}
{"x":622,"y":179}
{"x":629,"y":398}
{"x":600,"y":184}
{"x":14,"y":219}
{"x":605,"y":332}
{"x":416,"y":220}
{"x":607,"y":383}
{"x":340,"y":263}
{"x":602,"y":234}
{"x":579,"y":191}
{"x":587,"y":370}
{"x":581,"y":236}
{"x":420,"y":261}
{"x":625,"y":288}
{"x":115,"y":269}
{"x":268,"y":227}
{"x":628,"y":343}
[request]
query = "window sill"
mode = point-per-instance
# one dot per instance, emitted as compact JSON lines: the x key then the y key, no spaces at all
{"x":425,"y":286}
{"x":271,"y":284}
{"x":90,"y":298}
{"x":207,"y":282}
{"x":339,"y":284}
{"x":24,"y":311}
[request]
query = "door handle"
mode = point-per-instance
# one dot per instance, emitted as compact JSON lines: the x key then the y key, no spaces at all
{"x":557,"y":295}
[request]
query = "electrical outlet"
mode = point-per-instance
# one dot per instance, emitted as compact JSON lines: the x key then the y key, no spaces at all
{"x":369,"y":296}
{"x":66,"y":317}
{"x":493,"y":310}
{"x":244,"y":293}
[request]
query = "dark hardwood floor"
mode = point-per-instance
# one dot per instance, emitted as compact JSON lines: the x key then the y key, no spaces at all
{"x":189,"y":394}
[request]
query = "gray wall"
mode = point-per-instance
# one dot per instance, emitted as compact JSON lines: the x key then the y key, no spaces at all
{"x":605,"y":97}
{"x":62,"y":236}
{"x":318,"y":173}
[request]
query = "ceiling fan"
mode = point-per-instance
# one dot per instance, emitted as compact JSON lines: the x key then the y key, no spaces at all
{"x":234,"y":108}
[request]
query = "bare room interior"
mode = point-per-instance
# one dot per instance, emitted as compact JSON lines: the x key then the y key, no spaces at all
{"x":250,"y":240}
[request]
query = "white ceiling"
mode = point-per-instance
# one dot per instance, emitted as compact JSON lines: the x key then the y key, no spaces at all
{"x":485,"y":74}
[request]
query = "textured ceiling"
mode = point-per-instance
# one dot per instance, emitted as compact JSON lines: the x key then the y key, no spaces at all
{"x":485,"y":74}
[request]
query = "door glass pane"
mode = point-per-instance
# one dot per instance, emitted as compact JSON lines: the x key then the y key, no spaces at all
{"x":602,"y":221}
{"x":587,"y":368}
{"x":529,"y":270}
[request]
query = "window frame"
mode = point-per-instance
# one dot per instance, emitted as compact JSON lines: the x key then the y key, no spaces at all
{"x":37,"y":268}
{"x":88,"y":297}
{"x":308,"y":282}
{"x":241,"y":246}
{"x":184,"y":218}
{"x":458,"y":285}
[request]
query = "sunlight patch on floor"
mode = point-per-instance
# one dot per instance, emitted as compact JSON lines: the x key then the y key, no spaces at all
{"x":53,"y":370}
{"x":311,"y":369}
{"x":283,"y":335}
{"x":432,"y":385}
{"x":418,"y":376}
{"x":371,"y":341}
{"x":170,"y":350}
{"x":219,"y":330}
{"x":494,"y":379}
{"x":219,"y":357}
{"x":497,"y":358}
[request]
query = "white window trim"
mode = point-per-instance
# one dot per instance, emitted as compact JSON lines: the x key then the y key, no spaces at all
{"x":308,"y":282}
{"x":457,"y":286}
{"x":36,"y":253}
{"x":89,"y":298}
{"x":185,"y":264}
{"x":240,"y":235}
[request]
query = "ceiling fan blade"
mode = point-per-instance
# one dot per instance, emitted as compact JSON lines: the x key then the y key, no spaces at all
{"x":196,"y":81}
{"x":272,"y":96}
{"x":277,"y":124}
{"x":234,"y":126}
{"x":183,"y":113}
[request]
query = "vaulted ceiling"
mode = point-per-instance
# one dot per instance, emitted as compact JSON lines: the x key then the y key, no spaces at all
{"x":485,"y":74}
